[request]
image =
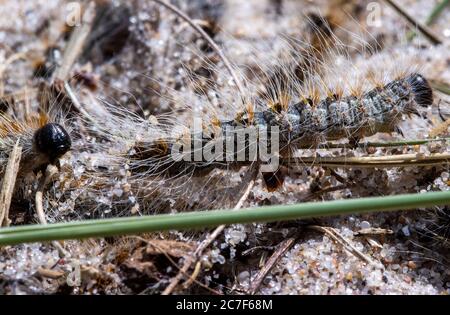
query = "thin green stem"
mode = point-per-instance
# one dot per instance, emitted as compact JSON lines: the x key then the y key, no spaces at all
{"x":441,"y":87}
{"x":437,"y":10}
{"x":203,"y":219}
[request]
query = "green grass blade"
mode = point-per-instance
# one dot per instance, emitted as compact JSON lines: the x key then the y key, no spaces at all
{"x":203,"y":219}
{"x":437,"y":10}
{"x":441,"y":87}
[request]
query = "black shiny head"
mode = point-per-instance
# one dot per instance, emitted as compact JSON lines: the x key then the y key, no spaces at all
{"x":52,"y":140}
{"x":423,"y":94}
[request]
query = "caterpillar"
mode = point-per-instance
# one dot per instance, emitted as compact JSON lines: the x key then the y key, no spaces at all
{"x":43,"y":141}
{"x":308,"y":123}
{"x":311,"y":109}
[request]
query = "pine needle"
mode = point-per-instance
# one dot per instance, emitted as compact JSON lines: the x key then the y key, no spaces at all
{"x":204,"y":219}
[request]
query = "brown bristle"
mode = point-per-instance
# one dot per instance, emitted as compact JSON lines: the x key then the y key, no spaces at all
{"x":314,"y":96}
{"x":215,"y":121}
{"x":372,"y":78}
{"x":250,"y":112}
{"x":356,"y":90}
{"x":284,"y":100}
{"x":276,"y":107}
{"x":162,"y":146}
{"x":338,"y":92}
{"x":43,"y":119}
{"x":143,"y":151}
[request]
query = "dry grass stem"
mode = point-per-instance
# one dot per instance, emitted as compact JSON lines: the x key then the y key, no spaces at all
{"x":9,"y":181}
{"x":76,"y":43}
{"x":282,"y":248}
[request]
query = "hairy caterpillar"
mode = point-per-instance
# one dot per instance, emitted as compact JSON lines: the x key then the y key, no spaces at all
{"x":42,"y":138}
{"x":311,"y":109}
{"x":307,"y":124}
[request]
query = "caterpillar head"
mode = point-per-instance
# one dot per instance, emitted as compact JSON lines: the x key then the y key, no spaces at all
{"x":52,"y":140}
{"x":423,"y":94}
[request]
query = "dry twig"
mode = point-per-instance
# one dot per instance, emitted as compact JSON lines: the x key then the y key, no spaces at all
{"x":76,"y":103}
{"x":282,"y":248}
{"x":210,"y":237}
{"x":175,"y":264}
{"x":49,"y":273}
{"x":193,"y":276}
{"x":338,"y":238}
{"x":413,"y":159}
{"x":373,"y":231}
{"x":76,"y":43}
{"x":49,"y":173}
{"x":9,"y":181}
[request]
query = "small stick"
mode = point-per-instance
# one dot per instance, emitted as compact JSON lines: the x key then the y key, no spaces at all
{"x":208,"y":39}
{"x":193,"y":276}
{"x":381,"y":165}
{"x":338,"y":238}
{"x":49,"y":273}
{"x":282,"y":248}
{"x":3,"y":67}
{"x":330,"y":145}
{"x":256,"y":248}
{"x":71,"y":53}
{"x":313,"y":195}
{"x":175,"y":264}
{"x":9,"y":181}
{"x":49,"y":173}
{"x":209,"y":239}
{"x":373,"y":231}
{"x":76,"y":103}
{"x":175,"y":280}
{"x":422,"y":28}
{"x":75,"y":44}
{"x":373,"y":161}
